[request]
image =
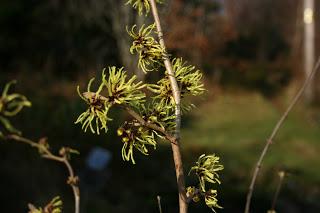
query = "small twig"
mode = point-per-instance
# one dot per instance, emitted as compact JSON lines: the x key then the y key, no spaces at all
{"x":46,"y":153}
{"x":282,"y":174}
{"x":275,"y":131}
{"x":159,"y":203}
{"x":183,"y":205}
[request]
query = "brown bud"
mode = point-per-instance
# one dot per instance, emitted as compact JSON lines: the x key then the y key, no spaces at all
{"x":73,"y":180}
{"x":62,"y":151}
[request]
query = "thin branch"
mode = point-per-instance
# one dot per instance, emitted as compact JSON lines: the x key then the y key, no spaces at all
{"x":282,"y":174}
{"x":183,"y":205}
{"x":159,"y":204}
{"x":46,"y":153}
{"x":275,"y":131}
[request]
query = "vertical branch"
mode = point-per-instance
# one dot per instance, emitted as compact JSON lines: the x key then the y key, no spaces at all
{"x":183,"y":206}
{"x":309,"y":46}
{"x":159,"y":204}
{"x":72,"y":181}
{"x":275,"y":131}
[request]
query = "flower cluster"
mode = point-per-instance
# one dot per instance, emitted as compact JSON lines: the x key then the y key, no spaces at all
{"x":134,"y":135}
{"x":143,"y":6}
{"x":210,"y":198}
{"x":206,"y":169}
{"x":149,"y":50}
{"x":10,"y":105}
{"x":138,"y":134}
{"x":121,"y":90}
{"x":156,"y":119}
{"x":98,"y":109}
{"x":160,"y":115}
{"x":117,"y":89}
{"x":55,"y":206}
{"x":188,"y":79}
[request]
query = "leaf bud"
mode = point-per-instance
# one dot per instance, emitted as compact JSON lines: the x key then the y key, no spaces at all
{"x":120,"y":131}
{"x":125,"y":139}
{"x":62,"y":151}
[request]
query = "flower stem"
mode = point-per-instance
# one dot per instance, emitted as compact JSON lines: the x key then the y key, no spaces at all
{"x":183,"y":205}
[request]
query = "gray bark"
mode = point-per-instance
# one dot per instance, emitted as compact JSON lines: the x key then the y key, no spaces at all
{"x":309,"y":48}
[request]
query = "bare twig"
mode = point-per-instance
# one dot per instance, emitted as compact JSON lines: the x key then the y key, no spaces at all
{"x":62,"y":158}
{"x":275,"y":131}
{"x":183,"y":205}
{"x":159,"y":204}
{"x":282,"y":174}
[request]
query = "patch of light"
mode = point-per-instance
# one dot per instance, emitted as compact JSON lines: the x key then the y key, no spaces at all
{"x":308,"y":16}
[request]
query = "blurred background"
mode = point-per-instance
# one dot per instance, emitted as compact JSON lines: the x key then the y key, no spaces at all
{"x":254,"y":55}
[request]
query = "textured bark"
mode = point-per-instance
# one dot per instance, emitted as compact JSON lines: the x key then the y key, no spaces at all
{"x":309,"y":47}
{"x":176,"y":151}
